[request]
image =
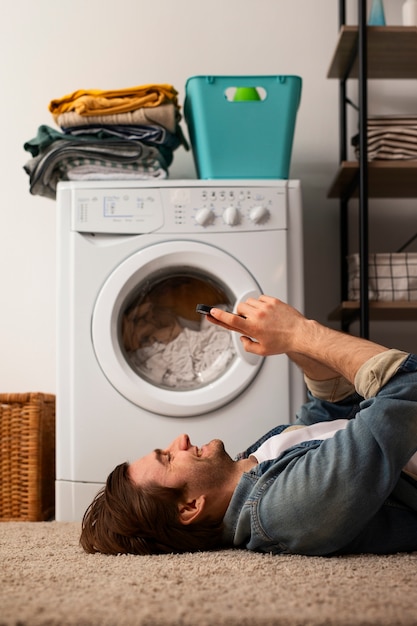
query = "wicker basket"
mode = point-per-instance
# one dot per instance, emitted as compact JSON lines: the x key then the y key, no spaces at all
{"x":27,"y":457}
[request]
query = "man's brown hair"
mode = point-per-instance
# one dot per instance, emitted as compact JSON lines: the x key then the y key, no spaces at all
{"x":125,"y":518}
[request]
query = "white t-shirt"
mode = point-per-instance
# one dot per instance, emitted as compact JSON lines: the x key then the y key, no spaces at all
{"x":294,"y":435}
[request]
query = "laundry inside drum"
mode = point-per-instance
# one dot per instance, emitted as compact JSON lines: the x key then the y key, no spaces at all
{"x":165,"y":341}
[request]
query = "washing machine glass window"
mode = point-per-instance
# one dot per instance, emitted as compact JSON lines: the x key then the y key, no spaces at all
{"x":163,"y":338}
{"x":170,"y":278}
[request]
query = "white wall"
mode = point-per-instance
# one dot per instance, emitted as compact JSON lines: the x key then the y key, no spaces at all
{"x":52,"y":48}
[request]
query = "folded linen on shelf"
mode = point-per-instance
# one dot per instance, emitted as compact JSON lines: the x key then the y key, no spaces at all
{"x":390,"y":138}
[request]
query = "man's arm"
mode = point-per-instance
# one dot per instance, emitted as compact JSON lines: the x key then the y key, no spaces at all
{"x":312,"y":368}
{"x":269,"y":326}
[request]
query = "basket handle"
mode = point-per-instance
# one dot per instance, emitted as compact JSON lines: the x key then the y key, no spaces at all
{"x":246,"y":93}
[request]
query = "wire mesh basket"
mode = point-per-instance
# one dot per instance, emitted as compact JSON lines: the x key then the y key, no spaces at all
{"x":392,"y":276}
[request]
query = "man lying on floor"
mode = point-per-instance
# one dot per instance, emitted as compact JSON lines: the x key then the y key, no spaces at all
{"x":343,"y":479}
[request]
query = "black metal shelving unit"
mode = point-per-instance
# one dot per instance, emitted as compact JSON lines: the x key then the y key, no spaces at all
{"x":369,"y":52}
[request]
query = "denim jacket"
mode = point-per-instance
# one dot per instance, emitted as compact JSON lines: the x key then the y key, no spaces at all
{"x":346,"y":494}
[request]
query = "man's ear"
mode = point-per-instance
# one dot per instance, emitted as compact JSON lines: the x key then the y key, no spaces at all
{"x":189,"y":512}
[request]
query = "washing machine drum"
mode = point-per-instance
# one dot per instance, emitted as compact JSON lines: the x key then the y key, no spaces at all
{"x":151,"y":344}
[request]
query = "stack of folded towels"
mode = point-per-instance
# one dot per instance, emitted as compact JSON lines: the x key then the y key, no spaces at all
{"x":390,"y":137}
{"x":127,"y":134}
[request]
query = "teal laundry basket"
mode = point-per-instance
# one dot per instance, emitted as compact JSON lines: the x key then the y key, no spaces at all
{"x":242,"y":126}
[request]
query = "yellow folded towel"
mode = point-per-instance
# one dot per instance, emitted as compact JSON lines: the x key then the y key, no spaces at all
{"x":98,"y":102}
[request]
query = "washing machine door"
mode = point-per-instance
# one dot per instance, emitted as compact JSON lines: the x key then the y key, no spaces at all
{"x":154,"y":348}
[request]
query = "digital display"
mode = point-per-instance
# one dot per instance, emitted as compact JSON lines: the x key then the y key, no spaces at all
{"x":122,"y":206}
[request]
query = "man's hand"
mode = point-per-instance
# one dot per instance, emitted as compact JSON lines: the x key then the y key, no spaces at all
{"x":268,"y":325}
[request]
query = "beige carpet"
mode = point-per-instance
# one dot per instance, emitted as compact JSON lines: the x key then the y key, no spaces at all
{"x":46,"y":579}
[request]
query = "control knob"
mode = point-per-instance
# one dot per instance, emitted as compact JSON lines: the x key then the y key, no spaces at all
{"x":259,"y":214}
{"x":204,"y":217}
{"x":231,"y":216}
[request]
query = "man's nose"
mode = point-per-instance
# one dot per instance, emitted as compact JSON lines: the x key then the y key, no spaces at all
{"x":182,"y":442}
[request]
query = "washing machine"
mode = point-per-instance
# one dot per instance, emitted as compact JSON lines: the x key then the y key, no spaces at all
{"x":136,"y":364}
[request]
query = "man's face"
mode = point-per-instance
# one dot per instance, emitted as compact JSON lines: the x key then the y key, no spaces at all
{"x":202,"y":470}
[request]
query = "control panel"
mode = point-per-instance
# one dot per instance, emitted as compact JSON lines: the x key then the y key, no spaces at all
{"x":179,"y":209}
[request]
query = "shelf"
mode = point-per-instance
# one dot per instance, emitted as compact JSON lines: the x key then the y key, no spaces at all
{"x":403,"y":311}
{"x":391,"y":50}
{"x":386,"y":179}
